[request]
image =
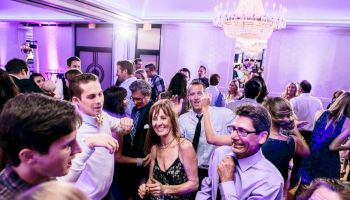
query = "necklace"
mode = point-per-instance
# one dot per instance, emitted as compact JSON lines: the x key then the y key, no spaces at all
{"x":164,"y":146}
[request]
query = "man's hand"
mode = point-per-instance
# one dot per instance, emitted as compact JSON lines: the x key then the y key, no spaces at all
{"x":102,"y":140}
{"x":226,"y":169}
{"x":125,"y":125}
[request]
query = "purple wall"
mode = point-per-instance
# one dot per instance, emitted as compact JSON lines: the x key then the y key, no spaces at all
{"x":54,"y":46}
{"x":11,"y":39}
{"x":317,"y":54}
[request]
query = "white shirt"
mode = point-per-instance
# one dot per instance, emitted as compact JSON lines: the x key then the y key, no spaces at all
{"x":126,"y":84}
{"x":305,"y":107}
{"x":220,"y":119}
{"x":92,"y":169}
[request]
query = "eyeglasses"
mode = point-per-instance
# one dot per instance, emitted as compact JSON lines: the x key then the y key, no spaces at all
{"x":241,"y":131}
{"x":135,"y":99}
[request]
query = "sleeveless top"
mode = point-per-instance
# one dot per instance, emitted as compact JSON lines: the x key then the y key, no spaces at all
{"x":174,"y":175}
{"x":279,"y":153}
{"x":322,"y":163}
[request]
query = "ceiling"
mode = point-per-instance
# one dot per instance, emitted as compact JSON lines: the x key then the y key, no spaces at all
{"x":335,"y":12}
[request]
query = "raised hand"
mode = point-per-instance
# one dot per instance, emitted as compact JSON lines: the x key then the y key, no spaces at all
{"x":176,"y":102}
{"x":102,"y":140}
{"x":206,"y":99}
{"x":125,"y":125}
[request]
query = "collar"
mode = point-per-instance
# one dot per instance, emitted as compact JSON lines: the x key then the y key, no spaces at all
{"x":89,"y":119}
{"x":14,"y":76}
{"x":305,"y":94}
{"x":246,"y":163}
{"x":14,"y":179}
{"x":249,"y":100}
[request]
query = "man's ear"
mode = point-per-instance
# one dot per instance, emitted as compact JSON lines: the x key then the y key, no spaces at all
{"x":263,"y":137}
{"x":26,"y":156}
{"x":75,"y":100}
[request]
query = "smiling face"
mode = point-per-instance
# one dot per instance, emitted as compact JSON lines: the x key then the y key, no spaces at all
{"x":292,"y":89}
{"x":161,"y":123}
{"x":139,"y":99}
{"x":91,"y":99}
{"x":59,"y":158}
{"x":39,"y":80}
{"x":249,"y":145}
{"x":195,"y":94}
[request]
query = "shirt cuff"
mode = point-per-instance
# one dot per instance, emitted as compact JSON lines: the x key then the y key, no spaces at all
{"x":228,"y":189}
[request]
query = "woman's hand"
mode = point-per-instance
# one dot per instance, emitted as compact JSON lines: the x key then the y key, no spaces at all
{"x":146,"y":160}
{"x":142,"y":190}
{"x":155,"y":188}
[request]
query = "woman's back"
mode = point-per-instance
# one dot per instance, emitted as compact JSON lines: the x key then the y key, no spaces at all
{"x":279,"y":152}
{"x":323,"y":162}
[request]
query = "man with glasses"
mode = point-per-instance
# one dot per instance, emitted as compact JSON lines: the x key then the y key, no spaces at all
{"x":132,"y":161}
{"x":192,"y":125}
{"x":241,"y":171}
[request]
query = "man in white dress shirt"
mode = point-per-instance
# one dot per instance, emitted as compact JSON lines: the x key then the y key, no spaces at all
{"x":92,"y":170}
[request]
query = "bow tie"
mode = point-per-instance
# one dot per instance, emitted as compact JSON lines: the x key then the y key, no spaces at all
{"x":99,"y":119}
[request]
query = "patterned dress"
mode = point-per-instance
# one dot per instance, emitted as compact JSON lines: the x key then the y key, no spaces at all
{"x":322,"y":163}
{"x":174,"y":175}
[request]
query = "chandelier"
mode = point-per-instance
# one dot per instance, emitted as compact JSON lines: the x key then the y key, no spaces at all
{"x":249,"y":22}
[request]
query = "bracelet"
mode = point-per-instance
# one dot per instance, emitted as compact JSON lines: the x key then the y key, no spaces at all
{"x":139,"y":162}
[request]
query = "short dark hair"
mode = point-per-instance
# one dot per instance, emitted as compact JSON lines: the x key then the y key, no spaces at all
{"x":258,"y":114}
{"x":214,"y":79}
{"x":71,"y":59}
{"x":305,"y":86}
{"x":137,"y":60}
{"x":35,"y":121}
{"x":74,"y":85}
{"x":8,"y":89}
{"x":184,"y":69}
{"x":151,"y":67}
{"x":252,"y":89}
{"x":114,"y":97}
{"x":202,"y":66}
{"x":15,"y":66}
{"x":70,"y":74}
{"x":126,"y":65}
{"x":33,"y":75}
{"x":144,"y":87}
{"x":196,"y":82}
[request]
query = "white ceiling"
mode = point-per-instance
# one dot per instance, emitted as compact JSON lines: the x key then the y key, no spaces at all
{"x":163,"y":11}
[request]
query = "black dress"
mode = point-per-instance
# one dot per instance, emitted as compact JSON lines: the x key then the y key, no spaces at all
{"x":279,"y":153}
{"x":174,"y":175}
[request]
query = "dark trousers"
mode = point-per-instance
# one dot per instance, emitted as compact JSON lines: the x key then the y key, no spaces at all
{"x":294,"y":178}
{"x":202,"y":173}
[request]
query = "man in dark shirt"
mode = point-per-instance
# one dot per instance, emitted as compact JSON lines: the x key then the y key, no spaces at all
{"x":39,"y":138}
{"x":202,"y":70}
{"x":19,"y":71}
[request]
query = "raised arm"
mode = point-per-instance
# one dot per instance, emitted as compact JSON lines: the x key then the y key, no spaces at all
{"x":337,"y":144}
{"x":210,"y":135}
{"x":301,"y":147}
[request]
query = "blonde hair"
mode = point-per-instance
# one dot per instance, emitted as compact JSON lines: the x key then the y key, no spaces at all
{"x":341,"y":106}
{"x":53,"y":190}
{"x":152,"y":137}
{"x":281,"y":112}
{"x":286,"y":93}
{"x":143,"y":74}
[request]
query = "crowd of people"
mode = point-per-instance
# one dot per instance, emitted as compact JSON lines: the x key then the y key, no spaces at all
{"x":139,"y":139}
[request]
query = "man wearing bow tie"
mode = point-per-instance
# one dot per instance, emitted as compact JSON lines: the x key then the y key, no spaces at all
{"x":241,"y":171}
{"x":92,"y":170}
